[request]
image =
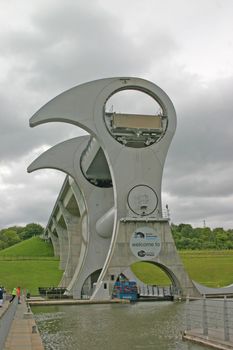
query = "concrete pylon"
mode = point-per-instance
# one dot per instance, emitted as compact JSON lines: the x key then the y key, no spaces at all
{"x":74,"y":226}
{"x":94,"y":247}
{"x":55,"y":243}
{"x":64,"y":250}
{"x":135,"y":148}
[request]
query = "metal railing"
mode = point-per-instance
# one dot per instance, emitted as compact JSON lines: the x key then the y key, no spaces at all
{"x":210,"y":316}
{"x":53,"y":293}
{"x":158,"y":291}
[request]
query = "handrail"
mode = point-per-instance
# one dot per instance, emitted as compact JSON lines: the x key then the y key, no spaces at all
{"x":210,"y":315}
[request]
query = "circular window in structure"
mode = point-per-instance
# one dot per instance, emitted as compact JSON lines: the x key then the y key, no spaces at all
{"x":135,"y":119}
{"x":142,"y":200}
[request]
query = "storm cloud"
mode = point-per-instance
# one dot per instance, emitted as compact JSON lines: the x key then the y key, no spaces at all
{"x":186,"y":48}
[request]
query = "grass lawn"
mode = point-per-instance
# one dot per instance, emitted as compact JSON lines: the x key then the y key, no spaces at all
{"x":211,"y":268}
{"x":29,"y":274}
{"x":31,"y":264}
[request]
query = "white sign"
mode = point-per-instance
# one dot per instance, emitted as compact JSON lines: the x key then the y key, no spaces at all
{"x":145,"y":243}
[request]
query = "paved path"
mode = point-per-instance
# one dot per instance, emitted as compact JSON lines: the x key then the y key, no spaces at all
{"x":21,"y":336}
{"x":215,"y":338}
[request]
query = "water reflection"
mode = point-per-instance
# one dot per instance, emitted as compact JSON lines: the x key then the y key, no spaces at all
{"x":146,"y":325}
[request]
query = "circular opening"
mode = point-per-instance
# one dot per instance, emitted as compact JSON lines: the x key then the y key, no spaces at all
{"x":135,"y":119}
{"x":142,"y":200}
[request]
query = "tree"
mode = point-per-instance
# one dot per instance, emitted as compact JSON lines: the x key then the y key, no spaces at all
{"x":186,"y":230}
{"x":3,"y":245}
{"x":10,"y":237}
{"x":31,"y":230}
{"x":187,"y":237}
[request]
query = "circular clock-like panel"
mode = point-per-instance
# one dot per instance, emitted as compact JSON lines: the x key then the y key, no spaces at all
{"x":142,"y":200}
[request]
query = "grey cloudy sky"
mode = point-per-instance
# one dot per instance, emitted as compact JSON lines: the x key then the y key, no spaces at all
{"x":185,"y":47}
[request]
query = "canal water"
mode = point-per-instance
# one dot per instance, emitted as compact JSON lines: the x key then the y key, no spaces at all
{"x":143,"y":325}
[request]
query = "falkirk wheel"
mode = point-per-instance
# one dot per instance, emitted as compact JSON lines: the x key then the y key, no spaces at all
{"x":108,"y":214}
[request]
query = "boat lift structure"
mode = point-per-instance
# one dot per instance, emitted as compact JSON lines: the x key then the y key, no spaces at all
{"x":109,"y":212}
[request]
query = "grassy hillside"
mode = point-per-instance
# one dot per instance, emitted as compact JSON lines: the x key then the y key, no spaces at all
{"x":29,"y":264}
{"x":33,"y":247}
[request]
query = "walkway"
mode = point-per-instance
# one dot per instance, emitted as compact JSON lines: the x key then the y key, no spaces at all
{"x":23,"y":334}
{"x":210,"y":322}
{"x":214,"y":339}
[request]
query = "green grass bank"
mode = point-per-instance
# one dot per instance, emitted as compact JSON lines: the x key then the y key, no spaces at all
{"x":210,"y":268}
{"x":31,"y":264}
{"x":32,"y":247}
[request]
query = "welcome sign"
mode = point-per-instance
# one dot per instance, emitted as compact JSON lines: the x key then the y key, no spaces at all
{"x":145,"y":243}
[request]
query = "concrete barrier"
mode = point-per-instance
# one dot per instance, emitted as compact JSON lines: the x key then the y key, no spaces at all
{"x":6,"y":317}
